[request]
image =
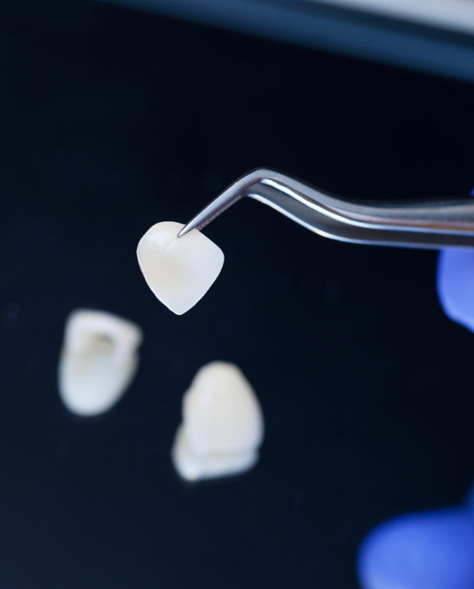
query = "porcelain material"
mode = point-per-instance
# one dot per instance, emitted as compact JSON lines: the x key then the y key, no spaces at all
{"x":179,"y":271}
{"x":222,"y":427}
{"x":98,"y":361}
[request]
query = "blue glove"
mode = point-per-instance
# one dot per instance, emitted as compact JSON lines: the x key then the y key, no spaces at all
{"x":455,"y":283}
{"x":432,"y":550}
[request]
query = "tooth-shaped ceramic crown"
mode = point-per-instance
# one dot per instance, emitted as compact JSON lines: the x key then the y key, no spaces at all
{"x":179,"y":271}
{"x":222,"y":425}
{"x":221,"y":413}
{"x":98,"y":360}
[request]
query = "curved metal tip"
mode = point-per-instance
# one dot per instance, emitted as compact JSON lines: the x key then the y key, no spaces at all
{"x":417,"y":224}
{"x":187,"y":228}
{"x":231,"y":195}
{"x":205,"y":216}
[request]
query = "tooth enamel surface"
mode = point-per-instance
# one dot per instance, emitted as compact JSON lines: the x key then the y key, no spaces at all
{"x":192,"y":467}
{"x":222,"y":425}
{"x":179,"y":271}
{"x":98,"y":361}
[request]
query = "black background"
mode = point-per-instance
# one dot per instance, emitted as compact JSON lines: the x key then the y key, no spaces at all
{"x":111,"y":121}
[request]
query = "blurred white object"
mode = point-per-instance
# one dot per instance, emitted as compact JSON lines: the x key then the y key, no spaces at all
{"x":457,"y":15}
{"x":179,"y":271}
{"x":98,"y":360}
{"x":222,"y":427}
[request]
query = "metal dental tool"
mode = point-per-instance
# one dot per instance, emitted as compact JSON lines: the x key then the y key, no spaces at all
{"x":422,"y":224}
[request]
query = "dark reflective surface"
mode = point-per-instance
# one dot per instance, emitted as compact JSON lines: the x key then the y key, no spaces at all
{"x":111,"y":121}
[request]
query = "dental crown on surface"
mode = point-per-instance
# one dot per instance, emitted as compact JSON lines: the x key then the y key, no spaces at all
{"x":98,"y":361}
{"x":222,"y":426}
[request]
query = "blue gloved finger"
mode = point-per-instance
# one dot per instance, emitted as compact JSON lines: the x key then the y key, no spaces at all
{"x":455,"y":284}
{"x":470,"y":500}
{"x":433,"y":550}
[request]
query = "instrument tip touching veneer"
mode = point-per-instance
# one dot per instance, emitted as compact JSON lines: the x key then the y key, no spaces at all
{"x":179,"y":272}
{"x":180,"y":264}
{"x":422,"y":224}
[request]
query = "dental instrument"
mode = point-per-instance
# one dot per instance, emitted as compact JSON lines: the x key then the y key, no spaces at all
{"x":431,"y":224}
